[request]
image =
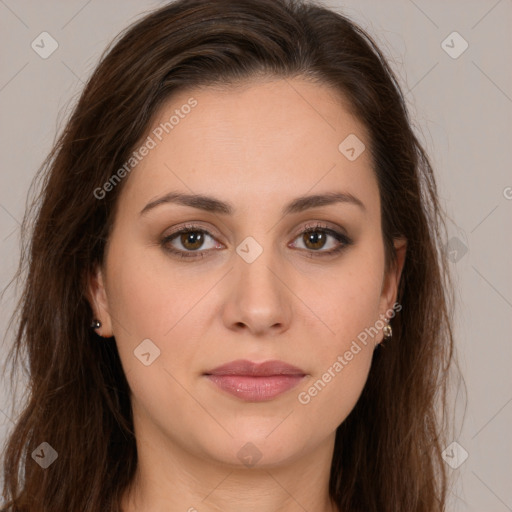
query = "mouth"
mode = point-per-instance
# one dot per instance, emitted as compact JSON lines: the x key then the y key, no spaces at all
{"x":255,"y":382}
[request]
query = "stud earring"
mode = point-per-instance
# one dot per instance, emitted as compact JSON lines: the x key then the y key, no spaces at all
{"x":96,"y":324}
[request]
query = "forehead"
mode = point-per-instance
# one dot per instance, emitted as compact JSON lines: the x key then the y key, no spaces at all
{"x":264,"y":139}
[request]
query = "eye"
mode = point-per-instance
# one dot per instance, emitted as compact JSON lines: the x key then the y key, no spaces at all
{"x":191,"y":238}
{"x":314,"y":237}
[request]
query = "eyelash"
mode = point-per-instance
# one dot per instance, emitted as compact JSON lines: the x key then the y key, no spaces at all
{"x":192,"y":228}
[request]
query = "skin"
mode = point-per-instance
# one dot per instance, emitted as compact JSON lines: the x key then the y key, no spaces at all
{"x":257,"y":146}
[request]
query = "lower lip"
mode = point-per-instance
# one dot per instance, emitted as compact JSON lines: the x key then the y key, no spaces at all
{"x":255,"y":389}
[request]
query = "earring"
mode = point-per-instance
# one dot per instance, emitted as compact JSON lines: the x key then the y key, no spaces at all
{"x":388,"y":332}
{"x":96,"y":324}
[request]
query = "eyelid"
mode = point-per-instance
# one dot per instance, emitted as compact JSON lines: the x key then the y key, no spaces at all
{"x":320,"y":224}
{"x":192,"y":227}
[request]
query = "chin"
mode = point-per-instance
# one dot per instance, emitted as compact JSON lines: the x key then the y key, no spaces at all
{"x":257,"y":449}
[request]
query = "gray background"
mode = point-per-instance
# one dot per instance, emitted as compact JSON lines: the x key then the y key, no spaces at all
{"x":462,"y":109}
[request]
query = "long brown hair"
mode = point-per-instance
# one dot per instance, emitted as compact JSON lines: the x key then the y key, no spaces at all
{"x":387,"y":454}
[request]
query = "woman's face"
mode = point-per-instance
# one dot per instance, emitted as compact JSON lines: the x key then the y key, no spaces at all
{"x":249,"y":285}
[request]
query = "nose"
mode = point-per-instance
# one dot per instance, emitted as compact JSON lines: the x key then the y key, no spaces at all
{"x":258,"y":298}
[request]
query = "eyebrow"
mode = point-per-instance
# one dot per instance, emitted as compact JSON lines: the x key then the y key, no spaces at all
{"x":214,"y":205}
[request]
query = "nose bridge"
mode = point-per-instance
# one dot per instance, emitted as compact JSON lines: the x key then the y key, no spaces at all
{"x":259,"y":296}
{"x":257,"y":264}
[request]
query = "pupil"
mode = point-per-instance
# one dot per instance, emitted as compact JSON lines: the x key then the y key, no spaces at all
{"x":315,"y":238}
{"x":189,"y":239}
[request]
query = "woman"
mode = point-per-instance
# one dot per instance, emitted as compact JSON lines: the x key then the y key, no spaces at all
{"x":240,"y":207}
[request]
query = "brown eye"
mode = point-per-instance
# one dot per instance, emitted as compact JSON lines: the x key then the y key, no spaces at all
{"x":314,"y":239}
{"x":189,"y":242}
{"x":192,"y":240}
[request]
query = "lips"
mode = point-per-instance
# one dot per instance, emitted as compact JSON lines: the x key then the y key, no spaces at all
{"x":256,"y":382}
{"x":248,"y":368}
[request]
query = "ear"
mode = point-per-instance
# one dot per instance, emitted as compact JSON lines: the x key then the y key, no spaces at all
{"x":392,"y":278}
{"x":98,"y":299}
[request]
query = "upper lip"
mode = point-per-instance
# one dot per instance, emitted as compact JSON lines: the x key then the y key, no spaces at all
{"x":264,"y":369}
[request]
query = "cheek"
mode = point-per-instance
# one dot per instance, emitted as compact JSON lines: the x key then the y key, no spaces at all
{"x":151,"y":300}
{"x":343,"y":354}
{"x":147,"y":294}
{"x":143,"y":307}
{"x":332,"y":394}
{"x":347,"y":302}
{"x":347,"y":308}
